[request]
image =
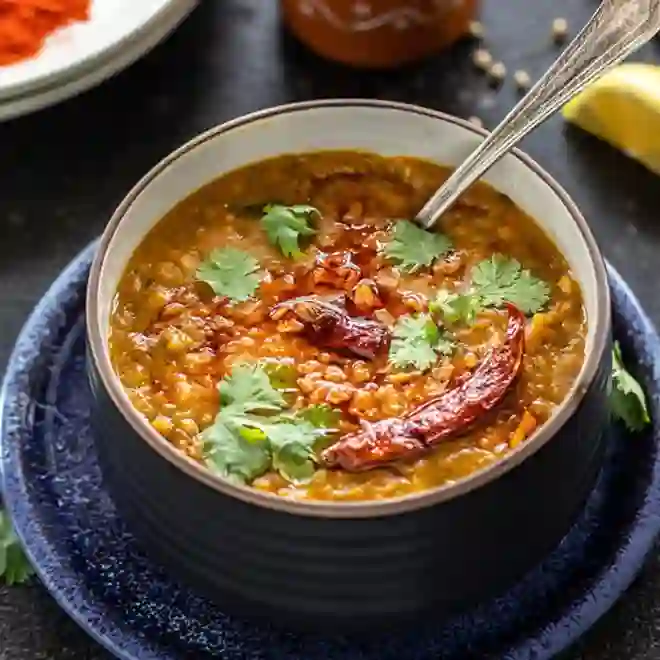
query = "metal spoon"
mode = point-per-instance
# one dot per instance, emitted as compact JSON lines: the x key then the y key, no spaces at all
{"x":618,"y":28}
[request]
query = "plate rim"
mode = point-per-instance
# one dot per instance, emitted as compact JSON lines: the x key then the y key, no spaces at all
{"x":637,"y":547}
{"x":78,"y":83}
{"x":34,"y":84}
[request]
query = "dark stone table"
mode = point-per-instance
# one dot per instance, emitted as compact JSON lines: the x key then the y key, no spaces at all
{"x":63,"y":171}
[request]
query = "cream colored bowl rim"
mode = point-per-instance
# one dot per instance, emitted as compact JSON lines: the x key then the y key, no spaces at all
{"x":98,"y":349}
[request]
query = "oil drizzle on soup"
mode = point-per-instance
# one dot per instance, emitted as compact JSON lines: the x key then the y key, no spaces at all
{"x":172,"y":340}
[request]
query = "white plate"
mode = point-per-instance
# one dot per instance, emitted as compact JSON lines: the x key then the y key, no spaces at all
{"x":82,"y":77}
{"x":112,"y":26}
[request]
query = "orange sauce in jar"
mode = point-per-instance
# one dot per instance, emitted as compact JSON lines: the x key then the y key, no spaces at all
{"x":378,"y":33}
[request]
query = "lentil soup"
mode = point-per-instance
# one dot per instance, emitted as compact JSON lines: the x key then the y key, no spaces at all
{"x":287,"y":327}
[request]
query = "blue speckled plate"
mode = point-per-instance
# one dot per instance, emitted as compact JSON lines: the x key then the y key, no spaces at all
{"x":96,"y":571}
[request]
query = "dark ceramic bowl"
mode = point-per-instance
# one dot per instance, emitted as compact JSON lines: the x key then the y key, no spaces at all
{"x":363,"y":564}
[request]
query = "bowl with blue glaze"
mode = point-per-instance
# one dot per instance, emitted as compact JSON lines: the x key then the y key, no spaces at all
{"x":349,"y":565}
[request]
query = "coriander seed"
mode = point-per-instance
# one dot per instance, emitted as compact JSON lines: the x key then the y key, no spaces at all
{"x":497,"y":73}
{"x":476,"y":30}
{"x":522,"y":80}
{"x":559,"y":29}
{"x":482,"y":59}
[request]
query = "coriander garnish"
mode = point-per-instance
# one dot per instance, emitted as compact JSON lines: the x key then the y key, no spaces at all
{"x":292,"y":447}
{"x":321,"y":416}
{"x":14,"y":566}
{"x":627,"y":398}
{"x":253,"y":434}
{"x":455,"y":307}
{"x":282,"y":375}
{"x":249,"y":389}
{"x":494,"y":282}
{"x":417,"y":341}
{"x":500,"y":279}
{"x":230,"y":272}
{"x":411,"y":247}
{"x":284,"y":225}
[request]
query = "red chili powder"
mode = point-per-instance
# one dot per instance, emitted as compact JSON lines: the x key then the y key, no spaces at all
{"x":25,"y":24}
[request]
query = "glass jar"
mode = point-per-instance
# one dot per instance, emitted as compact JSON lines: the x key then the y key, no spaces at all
{"x":378,"y":33}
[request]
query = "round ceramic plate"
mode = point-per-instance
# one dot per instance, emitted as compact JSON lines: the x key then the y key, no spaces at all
{"x":93,"y":567}
{"x":104,"y":68}
{"x":78,"y":56}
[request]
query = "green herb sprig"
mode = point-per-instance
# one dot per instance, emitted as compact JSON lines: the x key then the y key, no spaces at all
{"x":282,"y":375}
{"x":411,"y":248}
{"x":493,"y":282}
{"x":252,"y":434}
{"x":455,"y":308}
{"x":417,"y":342}
{"x":285,"y":225}
{"x":230,"y":272}
{"x":14,"y":566}
{"x":627,"y":398}
{"x":501,"y":279}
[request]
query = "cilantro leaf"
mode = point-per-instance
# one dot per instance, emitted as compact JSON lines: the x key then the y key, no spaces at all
{"x":321,"y":416}
{"x":294,"y":463}
{"x":252,"y":434}
{"x":230,"y":446}
{"x":292,"y":445}
{"x":419,"y":355}
{"x":282,"y":375}
{"x":627,"y":398}
{"x":411,"y":247}
{"x":455,"y":307}
{"x":285,"y":224}
{"x":249,"y":389}
{"x":500,"y":279}
{"x":494,"y":282}
{"x":14,"y":566}
{"x":444,"y":345}
{"x":417,"y":341}
{"x":232,"y":455}
{"x":231,"y":273}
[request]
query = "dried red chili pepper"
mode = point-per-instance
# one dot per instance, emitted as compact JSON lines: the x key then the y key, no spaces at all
{"x":329,"y":325}
{"x":444,"y":416}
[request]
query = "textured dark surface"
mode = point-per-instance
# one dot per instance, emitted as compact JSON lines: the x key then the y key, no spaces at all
{"x":91,"y":564}
{"x":63,"y":171}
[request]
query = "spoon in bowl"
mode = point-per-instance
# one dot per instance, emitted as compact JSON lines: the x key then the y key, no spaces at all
{"x":618,"y":28}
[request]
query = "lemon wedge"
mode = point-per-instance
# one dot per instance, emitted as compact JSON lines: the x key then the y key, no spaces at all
{"x":623,"y":109}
